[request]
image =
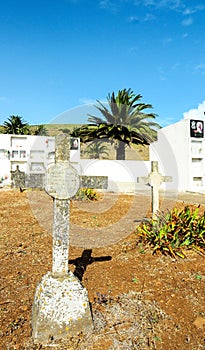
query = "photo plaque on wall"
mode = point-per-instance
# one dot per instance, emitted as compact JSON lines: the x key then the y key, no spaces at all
{"x":74,"y":143}
{"x":196,"y":128}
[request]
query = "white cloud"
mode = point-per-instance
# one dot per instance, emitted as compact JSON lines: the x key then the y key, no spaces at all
{"x":133,"y":19}
{"x":133,"y":50}
{"x":167,"y":121}
{"x":147,"y":18}
{"x":109,"y":5}
{"x":167,"y":41}
{"x":87,"y":101}
{"x":190,"y":10}
{"x":175,"y":66}
{"x":200,"y":68}
{"x":173,"y":4}
{"x":91,"y":102}
{"x":162,"y":73}
{"x":3,"y":99}
{"x":187,"y":22}
{"x":104,"y":4}
{"x":195,"y":113}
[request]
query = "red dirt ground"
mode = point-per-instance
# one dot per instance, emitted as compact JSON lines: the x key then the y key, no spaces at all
{"x":136,"y":297}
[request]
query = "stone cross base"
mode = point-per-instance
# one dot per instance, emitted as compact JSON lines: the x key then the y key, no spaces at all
{"x":61,"y":309}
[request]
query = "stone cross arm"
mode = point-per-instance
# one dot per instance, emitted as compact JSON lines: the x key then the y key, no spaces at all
{"x":154,"y":179}
{"x":147,"y":179}
{"x":167,"y":178}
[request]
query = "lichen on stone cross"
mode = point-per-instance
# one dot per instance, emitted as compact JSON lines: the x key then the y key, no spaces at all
{"x":61,"y":307}
{"x":62,"y":183}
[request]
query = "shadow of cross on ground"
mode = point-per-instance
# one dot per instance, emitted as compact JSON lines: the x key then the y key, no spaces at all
{"x":86,"y":259}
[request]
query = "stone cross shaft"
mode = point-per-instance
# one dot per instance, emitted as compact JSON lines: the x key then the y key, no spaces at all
{"x":62,"y":182}
{"x":154,"y":179}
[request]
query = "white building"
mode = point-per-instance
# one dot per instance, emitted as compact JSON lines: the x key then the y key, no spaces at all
{"x":180,"y":150}
{"x":30,"y":153}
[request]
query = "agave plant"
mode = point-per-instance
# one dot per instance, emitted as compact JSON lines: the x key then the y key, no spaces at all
{"x":173,"y":231}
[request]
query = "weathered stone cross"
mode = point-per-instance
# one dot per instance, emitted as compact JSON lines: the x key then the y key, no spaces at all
{"x":18,"y":178}
{"x":154,"y":179}
{"x":61,"y":305}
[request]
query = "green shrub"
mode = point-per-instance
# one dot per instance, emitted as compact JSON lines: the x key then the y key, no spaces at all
{"x":173,"y":231}
{"x":86,"y":194}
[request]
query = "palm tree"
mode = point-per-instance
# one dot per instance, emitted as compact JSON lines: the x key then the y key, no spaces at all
{"x":16,"y":125}
{"x":124,"y":123}
{"x":96,"y":149}
{"x":40,"y":130}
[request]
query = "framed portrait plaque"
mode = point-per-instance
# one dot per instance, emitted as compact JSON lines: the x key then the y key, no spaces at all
{"x":196,"y":128}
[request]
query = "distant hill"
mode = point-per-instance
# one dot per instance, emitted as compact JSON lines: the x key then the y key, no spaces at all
{"x":52,"y":129}
{"x":55,"y":129}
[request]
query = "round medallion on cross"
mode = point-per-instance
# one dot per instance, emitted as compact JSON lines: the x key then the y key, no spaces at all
{"x":62,"y":181}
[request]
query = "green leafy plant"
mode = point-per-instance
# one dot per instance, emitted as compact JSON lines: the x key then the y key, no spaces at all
{"x":198,"y":277}
{"x":86,"y":194}
{"x":134,"y":280}
{"x":157,"y":338}
{"x":141,"y":249}
{"x":174,"y":231}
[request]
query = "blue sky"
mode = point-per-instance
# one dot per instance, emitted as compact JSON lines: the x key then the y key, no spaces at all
{"x":60,"y":55}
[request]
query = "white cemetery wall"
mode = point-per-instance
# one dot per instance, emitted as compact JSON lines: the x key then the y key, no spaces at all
{"x":31,"y":153}
{"x":40,"y":153}
{"x":122,"y":174}
{"x":4,"y":159}
{"x":4,"y":141}
{"x":4,"y":171}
